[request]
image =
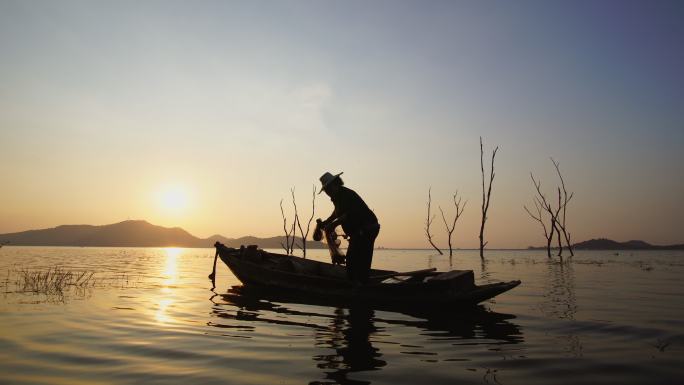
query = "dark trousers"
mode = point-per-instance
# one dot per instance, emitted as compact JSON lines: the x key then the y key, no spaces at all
{"x":360,"y":254}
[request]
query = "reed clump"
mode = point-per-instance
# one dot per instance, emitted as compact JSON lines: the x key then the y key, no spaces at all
{"x":54,"y":280}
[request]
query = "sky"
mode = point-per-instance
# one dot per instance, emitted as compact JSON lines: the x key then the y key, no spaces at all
{"x":205,"y":114}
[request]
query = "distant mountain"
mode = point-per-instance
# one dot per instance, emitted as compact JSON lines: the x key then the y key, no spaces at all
{"x":264,"y":243}
{"x":133,"y":234}
{"x":608,"y":244}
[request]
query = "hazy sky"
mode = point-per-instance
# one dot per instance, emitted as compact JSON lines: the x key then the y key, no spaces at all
{"x":203,"y":114}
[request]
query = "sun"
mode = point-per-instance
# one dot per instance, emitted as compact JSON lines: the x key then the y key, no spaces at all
{"x":173,"y":199}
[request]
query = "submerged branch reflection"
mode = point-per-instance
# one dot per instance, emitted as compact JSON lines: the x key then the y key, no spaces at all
{"x":561,"y":302}
{"x":559,"y":291}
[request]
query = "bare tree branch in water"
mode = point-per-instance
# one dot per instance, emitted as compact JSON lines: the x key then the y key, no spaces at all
{"x":428,"y":222}
{"x":296,"y":221}
{"x":557,"y":228}
{"x":289,"y":234}
{"x":566,"y":199}
{"x":548,"y":231}
{"x":485,"y":198}
{"x":305,"y":235}
{"x":543,"y":204}
{"x":459,"y":212}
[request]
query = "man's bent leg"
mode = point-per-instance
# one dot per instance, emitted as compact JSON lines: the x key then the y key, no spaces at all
{"x":352,"y":260}
{"x":366,"y":256}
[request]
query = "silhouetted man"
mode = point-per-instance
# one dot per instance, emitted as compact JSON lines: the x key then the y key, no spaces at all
{"x":358,"y":222}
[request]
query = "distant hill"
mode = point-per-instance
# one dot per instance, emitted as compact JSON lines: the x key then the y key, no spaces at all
{"x":135,"y":233}
{"x":608,"y":244}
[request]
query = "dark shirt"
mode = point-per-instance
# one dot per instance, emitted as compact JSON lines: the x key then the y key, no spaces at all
{"x":358,"y":216}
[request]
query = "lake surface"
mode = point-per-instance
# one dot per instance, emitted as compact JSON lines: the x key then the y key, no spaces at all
{"x":151,"y":316}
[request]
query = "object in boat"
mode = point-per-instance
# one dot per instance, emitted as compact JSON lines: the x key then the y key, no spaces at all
{"x":319,"y":280}
{"x":331,"y":239}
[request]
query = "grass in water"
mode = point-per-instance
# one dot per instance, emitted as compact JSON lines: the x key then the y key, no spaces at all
{"x":54,"y":280}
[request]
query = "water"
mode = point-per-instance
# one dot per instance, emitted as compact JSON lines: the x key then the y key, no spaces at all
{"x":151,"y":316}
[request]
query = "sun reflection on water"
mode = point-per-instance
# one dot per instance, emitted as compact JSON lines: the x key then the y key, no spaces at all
{"x":169,"y":279}
{"x":170,"y":271}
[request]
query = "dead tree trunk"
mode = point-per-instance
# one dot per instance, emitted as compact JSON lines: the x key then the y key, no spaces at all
{"x":485,"y":197}
{"x":548,"y":231}
{"x":566,"y":199}
{"x":557,"y":227}
{"x":459,"y":212}
{"x":288,"y":233}
{"x":296,"y":223}
{"x":553,"y":213}
{"x":294,"y":234}
{"x":428,"y":222}
{"x":303,"y":234}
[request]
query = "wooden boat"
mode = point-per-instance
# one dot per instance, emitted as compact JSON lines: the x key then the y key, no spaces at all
{"x":319,"y":280}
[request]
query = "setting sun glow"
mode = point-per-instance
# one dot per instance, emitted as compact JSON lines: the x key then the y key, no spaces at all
{"x":174,"y":199}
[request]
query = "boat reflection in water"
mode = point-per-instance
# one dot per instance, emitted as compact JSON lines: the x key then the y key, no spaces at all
{"x":349,"y":337}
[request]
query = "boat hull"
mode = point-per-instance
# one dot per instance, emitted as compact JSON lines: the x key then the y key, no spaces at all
{"x":319,"y":281}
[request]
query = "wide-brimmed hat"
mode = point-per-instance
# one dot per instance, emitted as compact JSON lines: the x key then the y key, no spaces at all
{"x":328,"y":178}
